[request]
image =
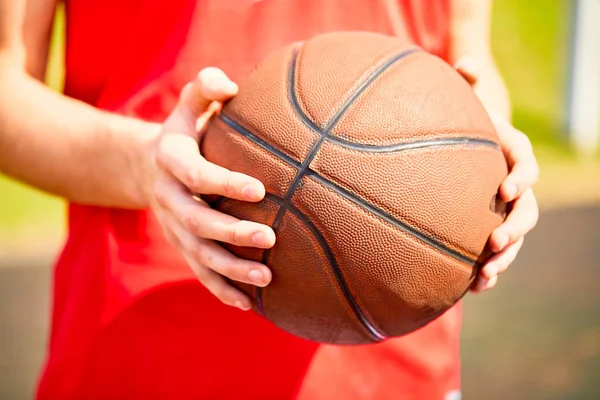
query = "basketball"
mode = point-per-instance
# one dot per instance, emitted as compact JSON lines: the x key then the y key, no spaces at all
{"x":381,"y":168}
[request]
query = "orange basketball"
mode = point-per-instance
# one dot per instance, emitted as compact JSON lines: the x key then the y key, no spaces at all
{"x":381,"y":168}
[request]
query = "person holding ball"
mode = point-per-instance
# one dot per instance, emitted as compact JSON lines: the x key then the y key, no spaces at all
{"x":141,"y":303}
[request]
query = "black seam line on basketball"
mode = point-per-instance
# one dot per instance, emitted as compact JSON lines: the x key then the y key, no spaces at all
{"x":255,"y":139}
{"x":337,"y":272}
{"x":292,"y":92}
{"x":286,"y":205}
{"x":260,"y":142}
{"x":394,"y":221}
{"x":324,"y":133}
{"x":456,"y":141}
{"x":303,"y":168}
{"x":350,"y":196}
{"x":335,"y":119}
{"x":363,"y":86}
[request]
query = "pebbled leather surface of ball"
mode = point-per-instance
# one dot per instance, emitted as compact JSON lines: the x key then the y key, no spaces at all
{"x":381,"y":168}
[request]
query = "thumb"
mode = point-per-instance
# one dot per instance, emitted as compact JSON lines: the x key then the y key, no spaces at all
{"x":198,"y":98}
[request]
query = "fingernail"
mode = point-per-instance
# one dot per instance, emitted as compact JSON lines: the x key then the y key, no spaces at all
{"x":260,"y":239}
{"x":256,"y":276}
{"x":242,"y":306}
{"x":250,"y":192}
{"x":501,"y":242}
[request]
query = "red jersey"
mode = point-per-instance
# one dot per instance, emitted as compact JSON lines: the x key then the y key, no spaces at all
{"x":130,"y":320}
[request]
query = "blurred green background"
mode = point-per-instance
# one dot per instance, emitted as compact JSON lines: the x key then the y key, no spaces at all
{"x":537,"y":336}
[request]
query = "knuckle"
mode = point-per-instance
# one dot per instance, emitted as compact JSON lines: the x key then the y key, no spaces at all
{"x":523,"y":140}
{"x":228,"y":186}
{"x":515,"y":153}
{"x":191,"y":223}
{"x":162,"y":154}
{"x":199,"y":253}
{"x":160,"y":194}
{"x":193,"y":178}
{"x":522,"y":148}
{"x":208,"y":259}
{"x":235,"y":237}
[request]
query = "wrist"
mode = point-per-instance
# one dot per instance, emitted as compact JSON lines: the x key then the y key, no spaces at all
{"x":138,"y":152}
{"x":493,"y":93}
{"x":483,"y":76}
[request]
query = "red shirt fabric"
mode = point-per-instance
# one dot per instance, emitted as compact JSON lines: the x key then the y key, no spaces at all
{"x":129,"y":318}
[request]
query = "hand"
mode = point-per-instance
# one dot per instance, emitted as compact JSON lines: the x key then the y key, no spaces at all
{"x":188,"y":222}
{"x":506,"y":240}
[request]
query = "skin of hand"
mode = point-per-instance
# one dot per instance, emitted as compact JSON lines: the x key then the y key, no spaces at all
{"x":506,"y":240}
{"x":179,"y":174}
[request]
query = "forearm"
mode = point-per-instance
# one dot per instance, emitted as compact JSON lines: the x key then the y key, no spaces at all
{"x":470,"y":38}
{"x":68,"y":148}
{"x":492,"y":92}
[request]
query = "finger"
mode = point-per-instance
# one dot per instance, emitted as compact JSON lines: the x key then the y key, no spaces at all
{"x":211,"y":85}
{"x":204,"y":222}
{"x":501,"y":261}
{"x":524,"y":170}
{"x":219,"y":287}
{"x":522,"y":218}
{"x":179,"y":155}
{"x":482,"y":284}
{"x":490,"y":284}
{"x":469,"y":69}
{"x":209,"y":254}
{"x":181,"y":239}
{"x":224,"y":228}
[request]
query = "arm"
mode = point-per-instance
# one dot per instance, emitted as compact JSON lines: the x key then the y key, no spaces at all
{"x":68,"y":148}
{"x":471,"y":54}
{"x":56,"y":143}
